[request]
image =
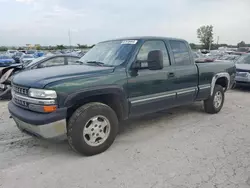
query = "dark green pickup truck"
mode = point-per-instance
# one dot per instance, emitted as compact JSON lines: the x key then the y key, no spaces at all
{"x":115,"y":80}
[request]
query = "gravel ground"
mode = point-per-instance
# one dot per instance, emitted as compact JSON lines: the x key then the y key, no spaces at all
{"x":181,"y":147}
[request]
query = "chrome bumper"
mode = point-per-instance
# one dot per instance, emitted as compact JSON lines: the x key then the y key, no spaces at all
{"x":53,"y":130}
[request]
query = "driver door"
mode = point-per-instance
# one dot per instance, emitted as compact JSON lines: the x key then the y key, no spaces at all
{"x":151,"y":90}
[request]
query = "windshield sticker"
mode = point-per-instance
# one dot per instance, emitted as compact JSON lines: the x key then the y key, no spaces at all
{"x":129,"y":42}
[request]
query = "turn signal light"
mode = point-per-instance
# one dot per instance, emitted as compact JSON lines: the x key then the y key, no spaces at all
{"x":49,"y":108}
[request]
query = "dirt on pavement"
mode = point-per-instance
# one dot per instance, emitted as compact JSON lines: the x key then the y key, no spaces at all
{"x":181,"y":147}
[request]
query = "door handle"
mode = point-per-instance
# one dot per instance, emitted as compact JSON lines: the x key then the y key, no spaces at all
{"x":170,"y":75}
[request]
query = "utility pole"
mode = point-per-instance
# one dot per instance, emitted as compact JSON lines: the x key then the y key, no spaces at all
{"x":218,"y":38}
{"x":69,"y":39}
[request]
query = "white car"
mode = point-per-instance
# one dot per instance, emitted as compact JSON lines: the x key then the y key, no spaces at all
{"x":11,"y":53}
{"x":25,"y":59}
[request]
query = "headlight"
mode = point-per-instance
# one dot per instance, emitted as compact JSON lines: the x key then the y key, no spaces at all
{"x":42,"y":94}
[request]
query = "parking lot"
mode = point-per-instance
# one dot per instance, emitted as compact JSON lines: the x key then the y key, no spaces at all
{"x":182,"y":147}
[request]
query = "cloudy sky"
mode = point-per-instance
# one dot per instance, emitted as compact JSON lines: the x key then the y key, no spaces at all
{"x":47,"y":22}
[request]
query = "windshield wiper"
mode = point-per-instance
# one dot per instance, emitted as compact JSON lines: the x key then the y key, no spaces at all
{"x":96,"y":62}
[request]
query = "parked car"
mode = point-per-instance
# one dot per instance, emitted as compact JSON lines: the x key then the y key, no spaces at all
{"x":11,"y":52}
{"x":242,"y":51}
{"x":243,"y":71}
{"x":25,"y":59}
{"x":233,"y":58}
{"x":117,"y":80}
{"x":31,"y":52}
{"x":18,"y":56}
{"x":38,"y":54}
{"x":6,"y":61}
{"x":41,"y":62}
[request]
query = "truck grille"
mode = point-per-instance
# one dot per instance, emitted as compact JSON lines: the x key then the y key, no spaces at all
{"x":20,"y":103}
{"x":20,"y":90}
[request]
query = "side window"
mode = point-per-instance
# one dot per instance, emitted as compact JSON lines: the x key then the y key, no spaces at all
{"x":72,"y":60}
{"x":53,"y":62}
{"x":181,"y":53}
{"x":153,"y":45}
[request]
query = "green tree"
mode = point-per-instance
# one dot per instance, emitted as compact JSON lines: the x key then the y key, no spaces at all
{"x":241,"y":44}
{"x":60,"y":47}
{"x":192,"y":45}
{"x":82,"y":46}
{"x":3,"y":48}
{"x":38,"y":48}
{"x":205,"y":34}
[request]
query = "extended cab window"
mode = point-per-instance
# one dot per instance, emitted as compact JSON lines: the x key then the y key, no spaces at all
{"x":181,"y":53}
{"x":153,"y":45}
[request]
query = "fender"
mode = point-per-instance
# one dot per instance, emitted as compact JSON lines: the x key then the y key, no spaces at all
{"x":216,"y":77}
{"x":99,"y":90}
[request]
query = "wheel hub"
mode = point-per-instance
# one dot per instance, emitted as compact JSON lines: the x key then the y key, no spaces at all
{"x":96,"y":130}
{"x":217,"y":99}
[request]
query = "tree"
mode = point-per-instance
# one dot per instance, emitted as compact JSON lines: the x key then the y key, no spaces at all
{"x":192,"y":45}
{"x":82,"y":46}
{"x":241,"y":44}
{"x":3,"y":48}
{"x":60,"y":47}
{"x":205,"y":34}
{"x":38,"y":48}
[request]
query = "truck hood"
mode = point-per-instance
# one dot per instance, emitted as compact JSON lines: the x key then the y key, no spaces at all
{"x":39,"y":78}
{"x":243,"y":66}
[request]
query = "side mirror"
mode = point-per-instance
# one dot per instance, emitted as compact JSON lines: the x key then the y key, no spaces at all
{"x":155,"y":60}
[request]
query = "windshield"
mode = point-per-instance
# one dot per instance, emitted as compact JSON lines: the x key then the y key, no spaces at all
{"x":11,"y":51}
{"x":245,"y":59}
{"x":29,"y":64}
{"x":111,"y":53}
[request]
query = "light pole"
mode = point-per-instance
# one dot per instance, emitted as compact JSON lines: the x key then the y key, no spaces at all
{"x":69,"y":39}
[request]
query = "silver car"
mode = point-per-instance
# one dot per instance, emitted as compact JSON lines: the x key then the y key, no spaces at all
{"x":243,"y":71}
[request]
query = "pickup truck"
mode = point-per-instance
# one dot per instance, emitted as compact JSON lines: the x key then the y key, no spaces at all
{"x":115,"y":80}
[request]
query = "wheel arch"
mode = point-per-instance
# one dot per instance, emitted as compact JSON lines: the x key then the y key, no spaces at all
{"x":113,"y":96}
{"x":222,"y":79}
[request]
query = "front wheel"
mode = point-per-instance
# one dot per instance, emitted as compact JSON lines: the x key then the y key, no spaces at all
{"x":92,"y":128}
{"x":215,"y":102}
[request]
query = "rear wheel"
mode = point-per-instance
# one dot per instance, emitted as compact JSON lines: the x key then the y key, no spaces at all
{"x":215,"y":102}
{"x":92,"y":128}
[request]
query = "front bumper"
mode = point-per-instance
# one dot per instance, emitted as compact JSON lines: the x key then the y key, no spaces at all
{"x":242,"y":80}
{"x":48,"y":126}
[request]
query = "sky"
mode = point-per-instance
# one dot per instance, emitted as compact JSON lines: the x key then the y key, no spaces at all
{"x":47,"y":22}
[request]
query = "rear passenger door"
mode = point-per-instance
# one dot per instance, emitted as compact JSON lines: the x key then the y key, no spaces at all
{"x":150,"y":90}
{"x":185,"y":72}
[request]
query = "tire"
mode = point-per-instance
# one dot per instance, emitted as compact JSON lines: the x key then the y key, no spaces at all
{"x":209,"y":105}
{"x":78,"y":122}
